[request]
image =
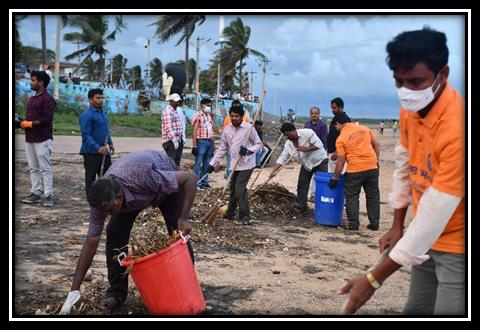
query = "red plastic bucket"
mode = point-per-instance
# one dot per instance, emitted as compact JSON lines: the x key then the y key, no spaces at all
{"x":167,"y":281}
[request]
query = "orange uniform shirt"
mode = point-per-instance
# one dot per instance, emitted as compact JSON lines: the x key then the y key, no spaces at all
{"x":228,"y":120}
{"x":436,"y":150}
{"x":355,"y":143}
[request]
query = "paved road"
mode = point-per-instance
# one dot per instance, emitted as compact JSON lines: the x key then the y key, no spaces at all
{"x":70,"y":145}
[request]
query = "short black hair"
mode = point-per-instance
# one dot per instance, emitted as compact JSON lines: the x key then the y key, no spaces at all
{"x":412,"y":47}
{"x":102,"y":192}
{"x":338,"y":101}
{"x":258,"y":122}
{"x":287,"y":127}
{"x":41,"y":76}
{"x":238,"y":109}
{"x":94,"y":91}
{"x":340,"y":118}
{"x":236,"y":102}
{"x":205,"y":101}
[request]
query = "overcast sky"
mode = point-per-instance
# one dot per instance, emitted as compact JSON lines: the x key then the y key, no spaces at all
{"x":318,"y":57}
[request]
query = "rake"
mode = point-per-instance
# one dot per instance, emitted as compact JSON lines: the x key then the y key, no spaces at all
{"x":210,"y":216}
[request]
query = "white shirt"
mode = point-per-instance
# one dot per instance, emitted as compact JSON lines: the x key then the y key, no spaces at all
{"x":181,"y":115}
{"x":309,"y":160}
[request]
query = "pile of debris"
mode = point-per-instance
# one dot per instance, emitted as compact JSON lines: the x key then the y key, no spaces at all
{"x":273,"y":200}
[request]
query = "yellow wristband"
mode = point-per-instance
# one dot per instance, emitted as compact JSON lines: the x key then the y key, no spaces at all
{"x":373,"y":282}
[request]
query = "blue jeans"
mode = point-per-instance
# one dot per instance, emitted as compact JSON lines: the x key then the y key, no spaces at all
{"x":204,"y":149}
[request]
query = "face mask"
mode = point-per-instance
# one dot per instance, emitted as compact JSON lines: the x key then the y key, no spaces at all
{"x":414,"y":101}
{"x":207,"y":109}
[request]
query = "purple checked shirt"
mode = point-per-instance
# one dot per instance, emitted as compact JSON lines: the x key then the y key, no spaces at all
{"x":146,"y":178}
{"x":231,"y":141}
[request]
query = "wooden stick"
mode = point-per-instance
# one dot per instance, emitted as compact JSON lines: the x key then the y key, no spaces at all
{"x":103,"y":158}
{"x":266,"y":161}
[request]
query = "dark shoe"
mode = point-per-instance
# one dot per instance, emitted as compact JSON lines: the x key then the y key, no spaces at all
{"x":229,"y":216}
{"x":302,"y":211}
{"x":353,"y":226}
{"x":246,"y":222}
{"x":372,"y":227}
{"x":112,"y":302}
{"x":32,"y":198}
{"x":49,"y":201}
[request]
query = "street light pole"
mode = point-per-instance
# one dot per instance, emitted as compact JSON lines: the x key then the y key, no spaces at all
{"x":111,"y":71}
{"x":148,"y":57}
{"x":197,"y":73}
{"x":57,"y":58}
{"x":221,"y":24}
{"x":264,"y":70}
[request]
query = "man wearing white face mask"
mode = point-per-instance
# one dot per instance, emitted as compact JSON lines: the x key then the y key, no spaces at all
{"x":202,"y":140}
{"x":429,"y":172}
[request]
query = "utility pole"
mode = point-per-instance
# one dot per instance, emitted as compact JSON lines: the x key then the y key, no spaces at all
{"x":275,"y":95}
{"x":197,"y":71}
{"x":57,"y":58}
{"x":251,"y":82}
{"x":221,"y":40}
{"x":264,"y":70}
{"x":148,"y":56}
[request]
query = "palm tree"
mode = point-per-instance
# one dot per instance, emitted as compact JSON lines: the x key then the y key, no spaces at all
{"x":94,"y":36}
{"x":156,"y":72}
{"x":119,"y":63}
{"x":90,"y":69}
{"x":18,"y":43}
{"x":170,"y":25}
{"x":237,"y":36}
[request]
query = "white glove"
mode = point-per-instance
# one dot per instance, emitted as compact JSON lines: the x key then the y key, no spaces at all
{"x":72,"y":298}
{"x":176,"y":142}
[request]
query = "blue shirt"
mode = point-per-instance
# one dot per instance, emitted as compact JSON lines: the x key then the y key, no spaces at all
{"x":321,"y":129}
{"x":94,"y":127}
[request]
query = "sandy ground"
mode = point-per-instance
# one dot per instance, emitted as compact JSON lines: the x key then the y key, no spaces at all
{"x":290,"y":266}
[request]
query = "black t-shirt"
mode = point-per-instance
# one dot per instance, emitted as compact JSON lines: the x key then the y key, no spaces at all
{"x":332,"y":137}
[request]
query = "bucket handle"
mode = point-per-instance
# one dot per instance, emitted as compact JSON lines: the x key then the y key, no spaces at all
{"x":185,"y":238}
{"x":121,"y":257}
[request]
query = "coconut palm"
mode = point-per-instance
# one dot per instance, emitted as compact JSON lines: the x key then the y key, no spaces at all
{"x":156,"y":71}
{"x":170,"y":25}
{"x":236,"y":44}
{"x":94,"y":36}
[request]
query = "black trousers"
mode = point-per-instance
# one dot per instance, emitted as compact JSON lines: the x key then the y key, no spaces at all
{"x":92,"y":164}
{"x":239,"y":195}
{"x":176,"y":155}
{"x":304,"y":179}
{"x":353,"y":184}
{"x":118,"y":235}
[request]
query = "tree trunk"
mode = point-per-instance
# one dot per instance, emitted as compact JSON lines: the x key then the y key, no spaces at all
{"x":240,"y":75}
{"x":81,"y":63}
{"x":187,"y":85}
{"x":44,"y":37}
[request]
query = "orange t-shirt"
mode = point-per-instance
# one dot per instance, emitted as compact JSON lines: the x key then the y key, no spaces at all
{"x":228,"y":120}
{"x":355,"y":143}
{"x":436,"y":151}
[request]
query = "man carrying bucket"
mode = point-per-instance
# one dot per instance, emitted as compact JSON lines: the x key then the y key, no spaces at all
{"x":430,"y":174}
{"x":358,"y":146}
{"x":136,"y":181}
{"x":305,"y":146}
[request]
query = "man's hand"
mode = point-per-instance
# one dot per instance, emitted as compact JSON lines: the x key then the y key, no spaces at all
{"x":176,"y":144}
{"x":243,"y":151}
{"x":333,"y":183}
{"x":360,"y":292}
{"x":334,"y":156}
{"x":102,"y":150}
{"x":390,"y":238}
{"x":210,"y":168}
{"x":112,"y":149}
{"x":195,"y":151}
{"x":184,"y":226}
{"x":26,"y":124}
{"x":302,"y":149}
{"x":72,"y":298}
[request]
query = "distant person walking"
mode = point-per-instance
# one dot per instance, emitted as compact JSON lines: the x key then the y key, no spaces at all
{"x":97,"y":145}
{"x":38,"y":126}
{"x":381,"y":126}
{"x":172,"y":130}
{"x":394,"y":128}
